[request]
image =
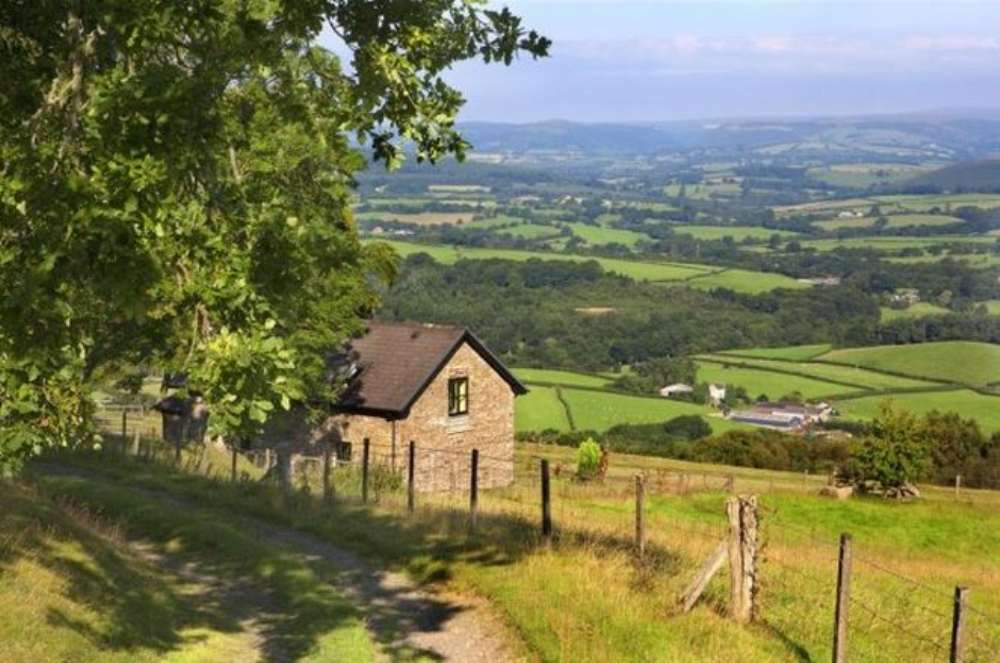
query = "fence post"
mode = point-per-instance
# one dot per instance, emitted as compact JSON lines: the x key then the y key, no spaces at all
{"x":958,"y":625}
{"x":640,"y":525}
{"x":958,"y":485}
{"x":474,"y":489}
{"x":232,"y":473}
{"x":409,"y":477}
{"x":327,"y":483}
{"x":546,"y":502}
{"x":364,"y":470}
{"x":844,"y":562}
{"x":742,"y":513}
{"x":124,"y":429}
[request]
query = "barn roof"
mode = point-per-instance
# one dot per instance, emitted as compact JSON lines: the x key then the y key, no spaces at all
{"x":390,"y":366}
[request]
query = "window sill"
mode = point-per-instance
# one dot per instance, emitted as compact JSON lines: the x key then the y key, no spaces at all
{"x":459,"y":423}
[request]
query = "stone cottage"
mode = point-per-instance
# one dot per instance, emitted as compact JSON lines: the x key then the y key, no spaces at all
{"x":435,"y":385}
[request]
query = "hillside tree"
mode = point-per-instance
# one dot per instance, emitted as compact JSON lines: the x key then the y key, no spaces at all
{"x":175,"y":189}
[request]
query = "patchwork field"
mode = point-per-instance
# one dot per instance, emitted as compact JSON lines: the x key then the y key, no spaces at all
{"x":883,"y":243}
{"x":597,"y":235}
{"x":895,"y":221}
{"x":975,"y":364}
{"x":419,"y":218}
{"x":739,"y":280}
{"x":567,"y":378}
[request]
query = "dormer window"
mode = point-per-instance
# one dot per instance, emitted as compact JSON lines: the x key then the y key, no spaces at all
{"x":458,"y":397}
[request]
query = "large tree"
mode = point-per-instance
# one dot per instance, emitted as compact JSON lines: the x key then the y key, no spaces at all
{"x":175,"y":181}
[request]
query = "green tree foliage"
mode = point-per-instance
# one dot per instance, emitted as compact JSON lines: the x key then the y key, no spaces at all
{"x":895,"y":452}
{"x":175,"y":182}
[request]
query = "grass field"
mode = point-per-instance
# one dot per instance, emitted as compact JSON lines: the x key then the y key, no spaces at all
{"x":992,"y":306}
{"x":585,"y":598}
{"x":597,"y":235}
{"x":741,"y":280}
{"x":791,"y":352}
{"x":738,"y":233}
{"x":419,"y":218}
{"x":773,"y":385}
{"x":600,"y":411}
{"x":895,"y":221}
{"x":883,"y":243}
{"x":530,"y":231}
{"x":850,"y":375}
{"x":540,"y":409}
{"x":863,"y":175}
{"x":567,"y":378}
{"x":976,"y":364}
{"x":969,"y":404}
{"x":895,"y":203}
{"x":918,"y":310}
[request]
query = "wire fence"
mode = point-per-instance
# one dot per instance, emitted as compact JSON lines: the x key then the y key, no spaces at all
{"x":892,"y":615}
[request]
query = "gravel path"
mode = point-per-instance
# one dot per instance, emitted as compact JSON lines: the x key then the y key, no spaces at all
{"x":408,"y":622}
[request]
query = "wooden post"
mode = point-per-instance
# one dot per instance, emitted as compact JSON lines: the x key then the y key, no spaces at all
{"x":705,"y":574}
{"x":409,"y":477}
{"x":546,"y":502}
{"x":474,"y":489}
{"x":958,"y":625}
{"x":232,"y":473}
{"x":124,"y":428}
{"x":327,"y":483}
{"x":958,"y":485}
{"x":640,"y":525}
{"x":364,"y":470}
{"x":135,"y":443}
{"x":843,"y":599}
{"x":742,"y":513}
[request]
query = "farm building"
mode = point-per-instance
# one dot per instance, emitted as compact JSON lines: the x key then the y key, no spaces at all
{"x":783,"y":416}
{"x":438,"y":386}
{"x":676,"y":389}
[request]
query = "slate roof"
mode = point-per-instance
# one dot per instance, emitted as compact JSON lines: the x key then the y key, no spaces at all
{"x":391,"y":365}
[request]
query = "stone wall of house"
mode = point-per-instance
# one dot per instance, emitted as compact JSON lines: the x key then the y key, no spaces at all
{"x":443,"y":443}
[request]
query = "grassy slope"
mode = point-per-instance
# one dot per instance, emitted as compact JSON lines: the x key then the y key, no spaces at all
{"x":601,"y":410}
{"x":597,"y":235}
{"x":791,"y":352}
{"x":738,"y":233}
{"x":585,"y":599}
{"x":976,"y":364}
{"x":539,"y":409}
{"x":742,"y":280}
{"x":918,"y":310}
{"x":774,"y":385}
{"x":849,"y":375}
{"x":568,"y":378}
{"x":69,"y":591}
{"x":315,"y":621}
{"x":969,"y":404}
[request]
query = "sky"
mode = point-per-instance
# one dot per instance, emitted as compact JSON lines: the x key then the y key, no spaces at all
{"x":628,"y":61}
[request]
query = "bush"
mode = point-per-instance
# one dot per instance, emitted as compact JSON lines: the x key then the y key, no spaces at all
{"x":894,"y":454}
{"x":588,"y":459}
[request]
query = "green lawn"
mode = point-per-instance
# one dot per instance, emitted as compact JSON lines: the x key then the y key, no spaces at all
{"x":969,"y":404}
{"x":845,"y":374}
{"x":918,"y":310}
{"x":975,"y":364}
{"x":773,"y":385}
{"x":790,"y":352}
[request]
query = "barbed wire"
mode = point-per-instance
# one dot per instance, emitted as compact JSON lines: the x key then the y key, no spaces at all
{"x":902,"y":629}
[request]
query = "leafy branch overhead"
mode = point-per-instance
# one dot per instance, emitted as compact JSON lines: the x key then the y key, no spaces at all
{"x":175,"y":189}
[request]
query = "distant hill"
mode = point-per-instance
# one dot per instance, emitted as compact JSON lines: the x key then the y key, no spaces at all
{"x":905,"y":138}
{"x":970,"y":176}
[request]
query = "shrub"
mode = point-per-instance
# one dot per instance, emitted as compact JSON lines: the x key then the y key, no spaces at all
{"x":588,"y":459}
{"x":894,"y":454}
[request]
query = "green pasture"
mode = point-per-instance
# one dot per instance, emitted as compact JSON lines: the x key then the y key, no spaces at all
{"x":742,"y":280}
{"x":883,"y":243}
{"x":791,"y":352}
{"x":539,"y":410}
{"x":419,"y":218}
{"x":918,"y":310}
{"x":567,"y":378}
{"x":530,"y":231}
{"x":849,"y":375}
{"x":967,"y":403}
{"x":738,"y":233}
{"x":966,"y":362}
{"x":600,"y":411}
{"x":597,"y":235}
{"x":773,"y":385}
